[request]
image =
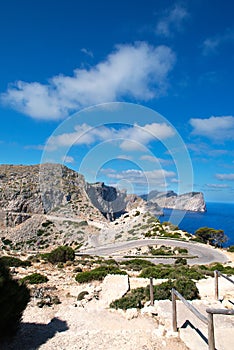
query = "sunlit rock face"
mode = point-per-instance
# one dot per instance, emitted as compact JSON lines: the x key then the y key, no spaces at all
{"x":192,"y":201}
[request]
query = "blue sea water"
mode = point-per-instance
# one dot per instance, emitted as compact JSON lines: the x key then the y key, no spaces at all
{"x":217,"y":216}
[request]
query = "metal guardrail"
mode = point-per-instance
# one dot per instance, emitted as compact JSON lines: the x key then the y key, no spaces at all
{"x":209,"y":320}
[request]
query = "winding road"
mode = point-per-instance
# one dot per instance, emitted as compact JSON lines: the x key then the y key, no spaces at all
{"x":204,"y":254}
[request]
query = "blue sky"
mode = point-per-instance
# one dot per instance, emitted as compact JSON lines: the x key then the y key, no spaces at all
{"x":174,"y":57}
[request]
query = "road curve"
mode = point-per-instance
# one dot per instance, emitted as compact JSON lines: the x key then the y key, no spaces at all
{"x":205,"y":254}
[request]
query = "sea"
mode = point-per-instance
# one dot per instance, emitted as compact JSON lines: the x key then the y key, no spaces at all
{"x":218,"y":216}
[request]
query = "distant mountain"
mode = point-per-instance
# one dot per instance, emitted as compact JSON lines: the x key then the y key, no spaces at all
{"x":192,"y":201}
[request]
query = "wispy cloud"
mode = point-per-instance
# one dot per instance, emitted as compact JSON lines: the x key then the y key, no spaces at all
{"x":138,"y":71}
{"x":68,"y":159}
{"x":226,"y":177}
{"x":131,"y":138}
{"x":153,"y":159}
{"x":87,"y":52}
{"x":124,"y":156}
{"x":212,"y":44}
{"x":217,"y":186}
{"x":142,"y":178}
{"x":172,"y":21}
{"x":217,"y":128}
{"x":205,"y":149}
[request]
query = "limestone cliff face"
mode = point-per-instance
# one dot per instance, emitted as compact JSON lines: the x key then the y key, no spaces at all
{"x":192,"y":201}
{"x":42,"y":189}
{"x":110,"y":201}
{"x":46,"y":205}
{"x":136,"y":202}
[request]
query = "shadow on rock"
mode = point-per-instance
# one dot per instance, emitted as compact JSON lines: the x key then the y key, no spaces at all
{"x":31,"y":335}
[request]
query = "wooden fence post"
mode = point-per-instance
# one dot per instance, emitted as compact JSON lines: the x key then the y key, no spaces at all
{"x":216,"y":276}
{"x":174,"y":315}
{"x":211,"y":338}
{"x":151,"y":292}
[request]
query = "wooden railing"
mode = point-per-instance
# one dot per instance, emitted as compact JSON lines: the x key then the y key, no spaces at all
{"x":216,"y":276}
{"x":209,"y":320}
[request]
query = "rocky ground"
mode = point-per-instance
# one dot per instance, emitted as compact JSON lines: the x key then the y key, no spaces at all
{"x":90,"y":324}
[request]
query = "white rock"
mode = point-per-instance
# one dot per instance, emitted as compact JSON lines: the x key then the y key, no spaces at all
{"x":149,"y":310}
{"x":131,"y":313}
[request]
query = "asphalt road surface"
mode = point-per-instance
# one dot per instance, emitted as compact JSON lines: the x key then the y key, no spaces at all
{"x":204,"y":254}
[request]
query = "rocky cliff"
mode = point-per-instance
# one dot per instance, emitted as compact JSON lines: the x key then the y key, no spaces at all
{"x":192,"y":201}
{"x":46,"y":189}
{"x":42,"y":205}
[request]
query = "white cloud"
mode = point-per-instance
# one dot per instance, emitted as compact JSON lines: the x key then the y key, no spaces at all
{"x":203,"y":148}
{"x":217,"y":185}
{"x":142,"y":178}
{"x":68,"y":159}
{"x":219,"y":128}
{"x":172,"y":21}
{"x":139,"y":71}
{"x":132,"y":138}
{"x":87,"y":52}
{"x":124,"y":156}
{"x":153,"y":159}
{"x":227,"y":177}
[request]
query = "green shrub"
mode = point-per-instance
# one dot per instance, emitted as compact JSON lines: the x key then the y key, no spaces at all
{"x":61,"y":254}
{"x":181,"y":250}
{"x":45,"y":256}
{"x":161,"y":251}
{"x":11,"y":261}
{"x":181,"y":261}
{"x":137,"y":297}
{"x":171,"y":272}
{"x":77,"y":269}
{"x":134,"y":299}
{"x":110,"y":262}
{"x":224,"y":269}
{"x":231,"y":249}
{"x":47,"y":223}
{"x":136,"y":264}
{"x":183,"y":285}
{"x":6,"y":241}
{"x":82,"y":294}
{"x":98,"y":273}
{"x":35,"y":278}
{"x":60,"y":265}
{"x":13,"y":300}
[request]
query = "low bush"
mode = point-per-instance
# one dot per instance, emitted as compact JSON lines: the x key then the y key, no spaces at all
{"x":98,"y":273}
{"x":13,"y":300}
{"x":61,"y":254}
{"x":137,"y":297}
{"x":35,"y":278}
{"x":161,"y":251}
{"x":82,"y":294}
{"x":11,"y":261}
{"x":77,"y":269}
{"x":60,"y":265}
{"x":224,"y":269}
{"x":180,"y":261}
{"x":180,"y":250}
{"x":136,"y":264}
{"x":171,"y":272}
{"x":231,"y":249}
{"x":183,"y":285}
{"x":134,"y":299}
